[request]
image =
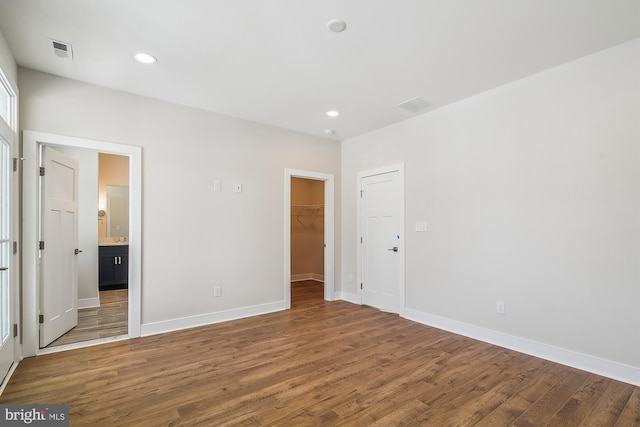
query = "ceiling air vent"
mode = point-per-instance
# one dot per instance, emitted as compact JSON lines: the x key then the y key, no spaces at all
{"x":414,"y":105}
{"x":62,"y":49}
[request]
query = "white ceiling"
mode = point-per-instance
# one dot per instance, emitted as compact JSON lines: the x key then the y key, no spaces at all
{"x":275,"y":61}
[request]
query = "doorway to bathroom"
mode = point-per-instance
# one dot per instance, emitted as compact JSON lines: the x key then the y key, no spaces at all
{"x":103,"y":233}
{"x":31,"y":301}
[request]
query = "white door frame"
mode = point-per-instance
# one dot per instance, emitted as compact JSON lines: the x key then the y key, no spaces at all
{"x":401,"y":258}
{"x":328,"y":230}
{"x":31,"y":141}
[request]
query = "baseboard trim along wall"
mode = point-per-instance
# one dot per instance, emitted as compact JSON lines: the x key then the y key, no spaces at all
{"x":307,"y":276}
{"x":607,"y":368}
{"x":209,"y":318}
{"x":347,"y":296}
{"x":89,"y":302}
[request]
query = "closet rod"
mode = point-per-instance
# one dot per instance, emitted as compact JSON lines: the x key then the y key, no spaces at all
{"x":308,"y":206}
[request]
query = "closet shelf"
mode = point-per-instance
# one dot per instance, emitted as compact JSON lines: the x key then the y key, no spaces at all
{"x":302,"y":212}
{"x":307,"y":210}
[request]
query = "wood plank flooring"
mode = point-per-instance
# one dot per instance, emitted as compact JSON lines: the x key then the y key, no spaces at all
{"x":318,"y":364}
{"x":108,"y":320}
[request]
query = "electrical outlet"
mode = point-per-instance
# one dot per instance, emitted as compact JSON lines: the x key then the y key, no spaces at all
{"x":217,"y":291}
{"x":500,"y":307}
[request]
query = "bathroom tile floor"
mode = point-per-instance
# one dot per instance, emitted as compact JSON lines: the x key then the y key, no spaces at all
{"x":108,"y":320}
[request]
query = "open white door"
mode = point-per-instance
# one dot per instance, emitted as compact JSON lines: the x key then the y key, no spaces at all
{"x":59,"y":232}
{"x":381,"y":249}
{"x":6,"y":272}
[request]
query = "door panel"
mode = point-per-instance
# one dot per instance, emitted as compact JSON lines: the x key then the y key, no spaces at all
{"x":6,"y":296}
{"x":381,"y":241}
{"x":59,"y":276}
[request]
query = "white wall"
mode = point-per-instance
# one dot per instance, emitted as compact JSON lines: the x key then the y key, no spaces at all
{"x":193,"y":238}
{"x":531,"y":194}
{"x":7,"y":62}
{"x":87,"y":225}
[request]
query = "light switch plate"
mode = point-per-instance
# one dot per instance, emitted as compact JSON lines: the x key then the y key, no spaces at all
{"x":421,"y":226}
{"x":238,"y":188}
{"x":217,"y":186}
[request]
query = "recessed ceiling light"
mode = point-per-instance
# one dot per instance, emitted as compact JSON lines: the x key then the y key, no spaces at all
{"x":145,"y":58}
{"x":332,"y":113}
{"x":336,"y":25}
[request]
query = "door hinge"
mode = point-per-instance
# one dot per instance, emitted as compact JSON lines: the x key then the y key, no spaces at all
{"x":15,"y":247}
{"x":41,"y":318}
{"x":15,"y":164}
{"x":360,"y":285}
{"x":360,"y":239}
{"x":361,"y":191}
{"x":42,"y":171}
{"x":15,"y":330}
{"x":41,"y":245}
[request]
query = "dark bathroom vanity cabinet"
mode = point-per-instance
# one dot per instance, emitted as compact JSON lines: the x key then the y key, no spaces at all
{"x":113,"y":267}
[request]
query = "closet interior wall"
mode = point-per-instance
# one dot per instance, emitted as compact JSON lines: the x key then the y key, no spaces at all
{"x":307,"y":229}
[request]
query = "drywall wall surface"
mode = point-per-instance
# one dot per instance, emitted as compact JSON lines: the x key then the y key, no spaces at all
{"x":531,"y":195}
{"x":194,"y":238}
{"x":7,"y":62}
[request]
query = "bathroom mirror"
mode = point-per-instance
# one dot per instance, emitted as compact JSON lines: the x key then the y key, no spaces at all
{"x":117,"y":211}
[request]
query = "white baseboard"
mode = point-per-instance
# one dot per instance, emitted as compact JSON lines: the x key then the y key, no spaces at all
{"x":347,"y":296}
{"x":585,"y":362}
{"x":307,"y":276}
{"x":209,"y":318}
{"x":89,"y":302}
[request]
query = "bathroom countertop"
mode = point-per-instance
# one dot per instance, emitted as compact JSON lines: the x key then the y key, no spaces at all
{"x":113,"y":241}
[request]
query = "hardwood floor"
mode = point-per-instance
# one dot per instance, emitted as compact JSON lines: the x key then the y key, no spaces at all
{"x":108,"y":320}
{"x":320,"y":363}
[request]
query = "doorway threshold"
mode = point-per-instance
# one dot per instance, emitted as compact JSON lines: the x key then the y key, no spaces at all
{"x":82,"y":344}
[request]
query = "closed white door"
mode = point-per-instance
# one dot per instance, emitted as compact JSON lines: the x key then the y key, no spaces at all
{"x":6,"y":296}
{"x":59,"y":275}
{"x":381,"y":223}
